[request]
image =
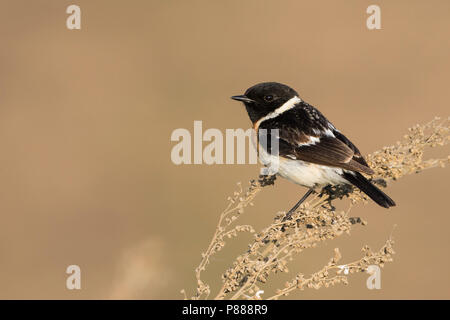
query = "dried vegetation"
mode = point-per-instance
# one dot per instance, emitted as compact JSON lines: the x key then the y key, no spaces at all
{"x":274,"y":247}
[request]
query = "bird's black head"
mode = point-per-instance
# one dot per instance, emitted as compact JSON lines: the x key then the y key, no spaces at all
{"x":264,"y":98}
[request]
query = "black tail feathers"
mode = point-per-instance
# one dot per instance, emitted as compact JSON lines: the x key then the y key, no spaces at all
{"x":368,"y":188}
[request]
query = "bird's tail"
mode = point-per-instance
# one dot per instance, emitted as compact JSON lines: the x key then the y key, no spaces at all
{"x":358,"y":180}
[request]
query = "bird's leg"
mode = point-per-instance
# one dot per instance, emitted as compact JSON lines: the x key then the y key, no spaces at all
{"x":288,"y":215}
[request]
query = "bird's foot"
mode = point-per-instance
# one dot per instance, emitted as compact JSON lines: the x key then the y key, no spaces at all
{"x":267,"y":180}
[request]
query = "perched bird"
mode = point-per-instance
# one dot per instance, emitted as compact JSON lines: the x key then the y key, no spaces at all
{"x":311,"y":151}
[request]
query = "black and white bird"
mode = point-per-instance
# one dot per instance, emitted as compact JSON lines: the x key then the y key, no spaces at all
{"x":312,"y":152}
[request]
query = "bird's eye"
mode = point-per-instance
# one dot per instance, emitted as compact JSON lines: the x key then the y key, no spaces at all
{"x":268,"y":98}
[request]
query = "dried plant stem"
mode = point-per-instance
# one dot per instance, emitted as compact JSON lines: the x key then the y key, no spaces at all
{"x":235,"y":206}
{"x":322,"y":277}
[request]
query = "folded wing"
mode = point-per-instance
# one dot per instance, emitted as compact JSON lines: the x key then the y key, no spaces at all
{"x":322,"y":145}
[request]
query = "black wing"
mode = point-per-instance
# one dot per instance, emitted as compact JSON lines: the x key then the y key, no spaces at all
{"x":305,"y":134}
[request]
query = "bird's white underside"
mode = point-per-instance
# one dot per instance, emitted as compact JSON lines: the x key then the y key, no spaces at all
{"x":304,"y":173}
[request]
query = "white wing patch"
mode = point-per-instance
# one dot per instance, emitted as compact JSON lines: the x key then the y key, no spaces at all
{"x":329,"y":133}
{"x":311,"y":141}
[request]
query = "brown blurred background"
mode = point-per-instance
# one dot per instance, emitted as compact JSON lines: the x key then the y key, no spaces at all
{"x":86,"y":118}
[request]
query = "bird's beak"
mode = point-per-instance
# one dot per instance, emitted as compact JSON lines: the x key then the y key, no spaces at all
{"x":242,"y":98}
